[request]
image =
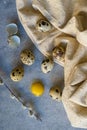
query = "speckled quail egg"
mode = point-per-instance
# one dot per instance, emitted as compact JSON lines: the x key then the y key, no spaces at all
{"x":58,"y":53}
{"x":12,"y":29}
{"x":43,"y":26}
{"x":14,"y":41}
{"x":55,"y":93}
{"x":27,"y":57}
{"x":47,"y":65}
{"x":17,"y":73}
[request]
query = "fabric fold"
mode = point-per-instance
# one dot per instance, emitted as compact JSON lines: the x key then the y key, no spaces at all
{"x":67,"y":16}
{"x":69,"y":28}
{"x":79,"y":96}
{"x":75,"y":91}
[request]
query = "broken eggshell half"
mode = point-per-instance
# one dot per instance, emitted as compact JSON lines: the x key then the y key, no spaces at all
{"x":12,"y":29}
{"x":14,"y":41}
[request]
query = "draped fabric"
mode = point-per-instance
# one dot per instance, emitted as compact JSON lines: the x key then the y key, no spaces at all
{"x":69,"y":26}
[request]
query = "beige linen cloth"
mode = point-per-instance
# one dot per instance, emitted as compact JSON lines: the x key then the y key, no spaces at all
{"x":69,"y":26}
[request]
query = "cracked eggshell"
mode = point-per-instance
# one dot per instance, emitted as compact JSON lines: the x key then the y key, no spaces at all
{"x":14,"y":41}
{"x":12,"y":29}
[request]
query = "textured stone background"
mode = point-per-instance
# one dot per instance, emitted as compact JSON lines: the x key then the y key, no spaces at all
{"x":12,"y":116}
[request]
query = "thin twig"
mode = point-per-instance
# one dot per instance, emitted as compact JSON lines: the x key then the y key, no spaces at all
{"x":31,"y":108}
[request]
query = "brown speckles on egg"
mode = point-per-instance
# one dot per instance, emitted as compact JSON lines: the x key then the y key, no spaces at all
{"x":51,"y":96}
{"x":47,"y":60}
{"x":47,"y":65}
{"x":27,"y":57}
{"x":17,"y":73}
{"x":17,"y":70}
{"x":57,"y":90}
{"x":55,"y":93}
{"x":13,"y":74}
{"x":43,"y":26}
{"x":58,"y":54}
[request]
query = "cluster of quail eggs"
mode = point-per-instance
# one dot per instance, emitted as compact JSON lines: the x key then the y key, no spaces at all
{"x":58,"y":52}
{"x":37,"y":88}
{"x":28,"y":58}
